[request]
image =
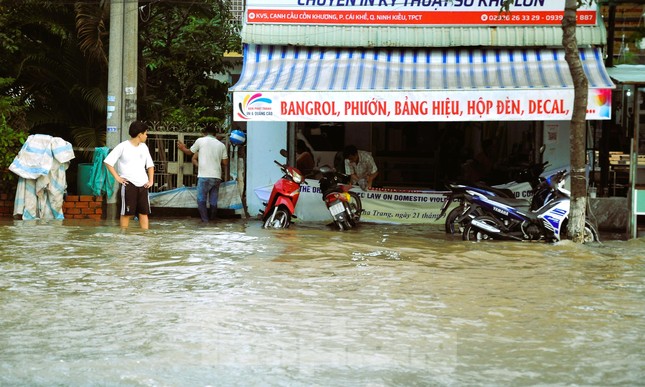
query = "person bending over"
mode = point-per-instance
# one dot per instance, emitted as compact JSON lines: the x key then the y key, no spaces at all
{"x":361,"y":166}
{"x":304,"y":159}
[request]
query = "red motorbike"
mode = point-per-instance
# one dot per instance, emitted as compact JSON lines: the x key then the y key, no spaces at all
{"x":284,"y":196}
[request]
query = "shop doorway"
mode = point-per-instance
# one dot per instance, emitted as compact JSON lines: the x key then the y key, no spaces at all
{"x":427,"y":155}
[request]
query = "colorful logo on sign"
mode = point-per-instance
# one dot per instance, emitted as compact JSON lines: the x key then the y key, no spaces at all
{"x":254,"y":105}
{"x":601,"y":100}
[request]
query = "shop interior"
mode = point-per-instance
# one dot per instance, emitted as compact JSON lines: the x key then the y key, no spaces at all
{"x":427,"y":155}
{"x":611,"y":140}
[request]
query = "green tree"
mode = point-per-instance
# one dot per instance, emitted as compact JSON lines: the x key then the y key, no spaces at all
{"x":56,"y":53}
{"x":62,"y":88}
{"x":182,"y":45}
{"x":577,"y":214}
{"x":13,"y":133}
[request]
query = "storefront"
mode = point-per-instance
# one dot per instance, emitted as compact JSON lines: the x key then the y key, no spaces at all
{"x":403,"y":73}
{"x":631,"y":86}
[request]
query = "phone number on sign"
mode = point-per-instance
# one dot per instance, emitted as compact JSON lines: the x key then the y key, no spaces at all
{"x":532,"y":18}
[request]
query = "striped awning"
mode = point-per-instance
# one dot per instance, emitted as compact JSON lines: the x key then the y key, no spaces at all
{"x":357,"y":84}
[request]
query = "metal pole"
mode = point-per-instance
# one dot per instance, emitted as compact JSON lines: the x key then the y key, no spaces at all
{"x":130,"y":54}
{"x":114,"y":101}
{"x":291,"y":143}
{"x":122,"y":78}
{"x":115,"y":74}
{"x":611,"y":29}
{"x":633,"y":165}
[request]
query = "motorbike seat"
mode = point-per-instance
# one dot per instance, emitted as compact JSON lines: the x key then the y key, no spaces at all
{"x":520,"y":204}
{"x":332,"y":190}
{"x":503,"y":192}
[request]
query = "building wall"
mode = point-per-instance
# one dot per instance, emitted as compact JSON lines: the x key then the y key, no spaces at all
{"x":557,"y":148}
{"x":263,"y":143}
{"x":629,"y":18}
{"x":237,"y":8}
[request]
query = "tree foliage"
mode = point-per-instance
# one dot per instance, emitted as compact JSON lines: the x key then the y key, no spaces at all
{"x":182,"y":46}
{"x":63,"y":90}
{"x":56,"y":53}
{"x":13,"y":133}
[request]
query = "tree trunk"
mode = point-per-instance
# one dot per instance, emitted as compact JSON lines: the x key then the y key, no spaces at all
{"x":577,"y":139}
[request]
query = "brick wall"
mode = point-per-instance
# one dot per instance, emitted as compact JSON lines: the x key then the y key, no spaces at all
{"x":75,"y":206}
{"x":83,"y":207}
{"x":6,"y":205}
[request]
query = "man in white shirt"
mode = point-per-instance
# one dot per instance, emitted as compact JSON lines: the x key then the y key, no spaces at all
{"x":361,"y":166}
{"x":209,"y":156}
{"x":131,"y":165}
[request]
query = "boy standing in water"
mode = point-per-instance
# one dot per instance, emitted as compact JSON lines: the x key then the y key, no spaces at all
{"x":135,"y":174}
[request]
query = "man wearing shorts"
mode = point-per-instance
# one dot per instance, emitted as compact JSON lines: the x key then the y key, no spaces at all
{"x":131,"y":165}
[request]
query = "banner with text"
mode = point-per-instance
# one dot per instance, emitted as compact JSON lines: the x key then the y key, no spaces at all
{"x":414,"y":12}
{"x":384,"y":205}
{"x":444,"y":105}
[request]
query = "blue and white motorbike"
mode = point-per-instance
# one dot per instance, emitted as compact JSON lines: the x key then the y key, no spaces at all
{"x":460,"y":215}
{"x":511,"y":220}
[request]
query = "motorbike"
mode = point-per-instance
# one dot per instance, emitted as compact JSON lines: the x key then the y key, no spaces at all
{"x":344,"y":206}
{"x":280,"y":208}
{"x":516,"y":222}
{"x":460,"y":215}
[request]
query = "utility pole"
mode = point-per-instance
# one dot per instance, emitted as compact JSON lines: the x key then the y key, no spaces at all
{"x":122,"y":78}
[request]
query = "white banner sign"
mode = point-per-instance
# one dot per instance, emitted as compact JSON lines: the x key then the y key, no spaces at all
{"x":444,"y":105}
{"x":383,"y":206}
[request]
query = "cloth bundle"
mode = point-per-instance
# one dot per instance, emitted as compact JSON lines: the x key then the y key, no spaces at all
{"x":101,"y":180}
{"x":41,"y":165}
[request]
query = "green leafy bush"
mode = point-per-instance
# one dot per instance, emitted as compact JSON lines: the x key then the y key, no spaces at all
{"x":13,"y":133}
{"x":10,"y":143}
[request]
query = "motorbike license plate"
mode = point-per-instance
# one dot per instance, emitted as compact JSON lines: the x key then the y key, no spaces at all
{"x":337,"y":208}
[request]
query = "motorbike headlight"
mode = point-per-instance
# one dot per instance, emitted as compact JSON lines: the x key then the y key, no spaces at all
{"x":297,"y":177}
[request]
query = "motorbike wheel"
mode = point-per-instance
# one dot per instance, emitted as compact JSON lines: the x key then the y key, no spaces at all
{"x":454,"y":227}
{"x":355,"y":206}
{"x":344,"y":225}
{"x":451,"y":226}
{"x":474,"y":234}
{"x":590,"y":233}
{"x":281,"y":219}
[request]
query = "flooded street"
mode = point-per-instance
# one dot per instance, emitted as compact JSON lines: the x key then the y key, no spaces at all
{"x":85,"y":303}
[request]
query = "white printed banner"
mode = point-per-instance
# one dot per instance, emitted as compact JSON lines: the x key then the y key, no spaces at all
{"x":382,"y":205}
{"x":444,"y":105}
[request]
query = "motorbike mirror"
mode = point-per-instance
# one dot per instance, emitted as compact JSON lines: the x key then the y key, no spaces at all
{"x":325,"y":169}
{"x":284,"y":153}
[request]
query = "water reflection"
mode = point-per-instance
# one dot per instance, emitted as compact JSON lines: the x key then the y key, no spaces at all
{"x":85,"y":303}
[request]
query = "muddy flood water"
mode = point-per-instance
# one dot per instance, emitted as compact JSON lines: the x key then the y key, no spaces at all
{"x":84,"y":303}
